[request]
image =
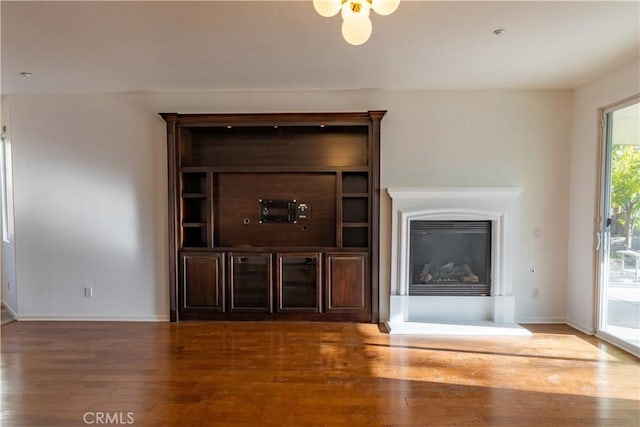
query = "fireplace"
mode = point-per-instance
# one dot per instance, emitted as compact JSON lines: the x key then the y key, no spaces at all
{"x":451,"y":259}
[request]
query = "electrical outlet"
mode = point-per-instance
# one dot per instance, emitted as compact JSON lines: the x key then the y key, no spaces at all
{"x":535,"y":293}
{"x":88,"y":292}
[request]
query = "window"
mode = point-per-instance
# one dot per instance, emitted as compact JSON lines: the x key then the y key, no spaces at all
{"x":5,"y":185}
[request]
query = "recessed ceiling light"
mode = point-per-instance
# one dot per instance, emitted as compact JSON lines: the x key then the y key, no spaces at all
{"x":25,"y":74}
{"x":499,"y":31}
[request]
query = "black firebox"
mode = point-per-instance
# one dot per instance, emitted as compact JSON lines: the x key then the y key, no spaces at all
{"x":450,"y":258}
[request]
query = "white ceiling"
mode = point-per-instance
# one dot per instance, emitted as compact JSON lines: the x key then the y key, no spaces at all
{"x":286,"y":45}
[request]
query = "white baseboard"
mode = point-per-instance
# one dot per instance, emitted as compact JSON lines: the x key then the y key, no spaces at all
{"x":558,"y":320}
{"x":552,"y":320}
{"x":574,"y":325}
{"x":30,"y":318}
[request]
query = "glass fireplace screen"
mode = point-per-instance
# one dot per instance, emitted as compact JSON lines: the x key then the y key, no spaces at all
{"x":450,"y":258}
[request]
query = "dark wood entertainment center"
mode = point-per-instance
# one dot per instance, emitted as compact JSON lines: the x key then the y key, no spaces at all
{"x":274,"y":216}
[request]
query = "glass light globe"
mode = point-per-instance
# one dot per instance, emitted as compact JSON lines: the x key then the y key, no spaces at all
{"x":327,"y":8}
{"x":356,"y":29}
{"x":347,"y":8}
{"x":385,"y":7}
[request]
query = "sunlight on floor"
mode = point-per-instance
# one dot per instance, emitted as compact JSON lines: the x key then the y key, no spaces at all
{"x":579,"y":368}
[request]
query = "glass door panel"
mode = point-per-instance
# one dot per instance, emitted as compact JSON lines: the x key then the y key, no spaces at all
{"x":250,"y":282}
{"x":299,"y":282}
{"x":619,"y":299}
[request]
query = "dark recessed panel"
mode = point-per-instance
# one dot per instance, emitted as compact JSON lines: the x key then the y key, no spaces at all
{"x":354,"y":182}
{"x":355,"y":210}
{"x":239,"y":209}
{"x":282,"y":146}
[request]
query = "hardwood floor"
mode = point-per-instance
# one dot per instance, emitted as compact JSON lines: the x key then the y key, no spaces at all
{"x":308,"y":374}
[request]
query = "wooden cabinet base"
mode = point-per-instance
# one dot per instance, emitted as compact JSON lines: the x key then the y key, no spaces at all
{"x":303,"y":288}
{"x":279,"y":317}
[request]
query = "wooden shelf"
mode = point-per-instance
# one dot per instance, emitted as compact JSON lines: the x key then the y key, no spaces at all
{"x":354,"y":195}
{"x":194,"y":224}
{"x":194,"y":169}
{"x":267,"y":169}
{"x":194,"y":196}
{"x":355,"y":224}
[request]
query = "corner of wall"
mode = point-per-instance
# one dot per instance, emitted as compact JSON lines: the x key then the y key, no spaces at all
{"x":587,"y":99}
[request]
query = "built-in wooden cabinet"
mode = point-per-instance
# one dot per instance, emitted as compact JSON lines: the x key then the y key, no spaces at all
{"x":202,"y":280}
{"x":274,"y":216}
{"x":299,"y":282}
{"x":250,"y":286}
{"x":346,"y":284}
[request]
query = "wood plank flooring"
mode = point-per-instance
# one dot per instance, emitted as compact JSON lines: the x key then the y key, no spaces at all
{"x":308,"y":374}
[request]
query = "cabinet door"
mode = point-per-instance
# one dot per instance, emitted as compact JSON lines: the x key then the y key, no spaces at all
{"x":298,"y":282}
{"x":347,"y":283}
{"x":250,"y":282}
{"x":202,"y":281}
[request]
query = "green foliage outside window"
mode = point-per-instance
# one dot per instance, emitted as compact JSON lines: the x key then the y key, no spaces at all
{"x":625,"y":196}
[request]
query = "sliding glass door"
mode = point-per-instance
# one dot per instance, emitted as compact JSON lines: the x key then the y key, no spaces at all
{"x":619,"y":287}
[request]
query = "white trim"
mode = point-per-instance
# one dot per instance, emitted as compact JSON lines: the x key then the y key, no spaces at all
{"x":542,"y":320}
{"x":574,"y":325}
{"x":31,"y":318}
{"x":601,"y":238}
{"x":479,"y":192}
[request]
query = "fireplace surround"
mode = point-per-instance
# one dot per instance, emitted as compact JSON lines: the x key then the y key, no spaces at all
{"x":411,"y":312}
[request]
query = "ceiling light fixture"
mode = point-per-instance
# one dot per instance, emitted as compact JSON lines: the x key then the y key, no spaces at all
{"x":356,"y":25}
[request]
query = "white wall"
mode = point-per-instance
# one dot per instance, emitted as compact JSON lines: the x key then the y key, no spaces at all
{"x":90,"y":204}
{"x":507,"y":138}
{"x":90,"y":179}
{"x":587,"y":99}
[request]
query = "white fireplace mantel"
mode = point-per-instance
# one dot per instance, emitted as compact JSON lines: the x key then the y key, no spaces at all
{"x":437,"y":204}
